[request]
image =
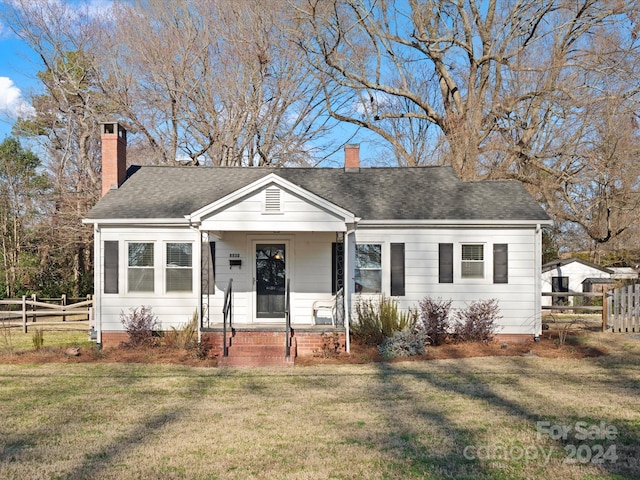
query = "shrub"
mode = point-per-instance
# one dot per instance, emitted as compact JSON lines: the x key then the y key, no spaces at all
{"x":405,"y":343}
{"x":185,"y":337}
{"x":140,"y":325}
{"x":330,"y":346}
{"x":434,"y":319}
{"x":379,"y":319}
{"x":477,"y":322}
{"x":38,"y":339}
{"x":200,"y":350}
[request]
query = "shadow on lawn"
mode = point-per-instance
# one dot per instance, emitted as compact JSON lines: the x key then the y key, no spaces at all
{"x":525,"y":453}
{"x":97,"y":461}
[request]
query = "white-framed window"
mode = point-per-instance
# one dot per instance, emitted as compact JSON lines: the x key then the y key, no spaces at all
{"x":140,"y":267}
{"x":472,"y":264}
{"x":179,"y":267}
{"x":368,"y":268}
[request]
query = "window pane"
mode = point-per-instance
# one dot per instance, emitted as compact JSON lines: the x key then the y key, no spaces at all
{"x":140,"y":279}
{"x":368,"y":271}
{"x":179,"y":279}
{"x":472,"y":252}
{"x":472,"y":261}
{"x":178,"y":254}
{"x":179,"y":274}
{"x":369,"y":256}
{"x":368,"y":281}
{"x":141,"y":254}
{"x":472,"y":269}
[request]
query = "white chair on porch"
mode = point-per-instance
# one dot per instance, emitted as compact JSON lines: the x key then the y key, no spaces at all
{"x":328,"y":312}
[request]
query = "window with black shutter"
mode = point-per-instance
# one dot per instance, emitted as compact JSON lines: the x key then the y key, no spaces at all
{"x":397,"y":269}
{"x":445,"y":263}
{"x":111,"y":266}
{"x":500,"y":263}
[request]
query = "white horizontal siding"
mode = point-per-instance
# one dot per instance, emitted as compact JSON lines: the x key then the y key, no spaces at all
{"x":296,"y":214}
{"x":309,"y":269}
{"x":308,"y":263}
{"x":517,"y":299}
{"x":171,"y":309}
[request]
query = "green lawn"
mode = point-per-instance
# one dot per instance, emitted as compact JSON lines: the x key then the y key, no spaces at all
{"x":470,"y":418}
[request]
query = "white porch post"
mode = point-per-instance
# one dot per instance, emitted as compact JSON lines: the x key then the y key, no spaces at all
{"x":345,"y":297}
{"x":97,"y":283}
{"x":537,"y":326}
{"x":349,"y":239}
{"x":199,"y":285}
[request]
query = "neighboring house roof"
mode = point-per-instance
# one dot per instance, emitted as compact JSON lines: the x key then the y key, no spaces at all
{"x":409,"y":193}
{"x":600,"y":281}
{"x":624,"y":273}
{"x":566,"y":261}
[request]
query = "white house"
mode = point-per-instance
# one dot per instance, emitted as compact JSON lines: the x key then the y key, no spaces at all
{"x":298,"y":246}
{"x":572,"y":275}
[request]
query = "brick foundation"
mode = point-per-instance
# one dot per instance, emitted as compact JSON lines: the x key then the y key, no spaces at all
{"x":309,"y":343}
{"x":512,"y":338}
{"x":305,"y":343}
{"x":113,"y":339}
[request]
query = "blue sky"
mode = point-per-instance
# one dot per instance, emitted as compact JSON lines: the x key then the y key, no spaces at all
{"x":19,"y":66}
{"x":17,"y":78}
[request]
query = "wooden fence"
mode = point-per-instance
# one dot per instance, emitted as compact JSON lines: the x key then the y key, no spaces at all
{"x":625,"y":309}
{"x":31,"y":310}
{"x":584,"y":305}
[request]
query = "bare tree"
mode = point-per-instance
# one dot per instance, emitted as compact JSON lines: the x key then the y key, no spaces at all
{"x":217,"y":82}
{"x":501,"y":89}
{"x":65,"y":123}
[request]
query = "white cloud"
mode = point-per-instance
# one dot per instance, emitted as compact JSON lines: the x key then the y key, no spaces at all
{"x":11,"y":101}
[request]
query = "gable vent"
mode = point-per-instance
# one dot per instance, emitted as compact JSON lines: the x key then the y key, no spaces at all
{"x":272,"y":203}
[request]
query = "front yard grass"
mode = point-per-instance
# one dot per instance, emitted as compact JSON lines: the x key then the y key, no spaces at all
{"x":491,"y":417}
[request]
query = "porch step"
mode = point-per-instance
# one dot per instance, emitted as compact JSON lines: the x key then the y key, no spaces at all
{"x":258,"y":349}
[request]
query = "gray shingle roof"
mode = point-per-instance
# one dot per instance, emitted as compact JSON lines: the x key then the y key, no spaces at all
{"x":419,"y":193}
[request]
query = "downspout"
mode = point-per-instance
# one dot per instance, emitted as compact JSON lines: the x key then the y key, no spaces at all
{"x":538,"y":284}
{"x":199,"y":284}
{"x":347,"y":295}
{"x":195,"y":226}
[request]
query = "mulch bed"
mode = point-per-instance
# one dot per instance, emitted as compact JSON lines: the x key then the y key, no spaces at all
{"x":547,"y":347}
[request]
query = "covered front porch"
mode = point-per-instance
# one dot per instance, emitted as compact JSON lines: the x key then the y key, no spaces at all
{"x":274,"y":259}
{"x":273,"y":295}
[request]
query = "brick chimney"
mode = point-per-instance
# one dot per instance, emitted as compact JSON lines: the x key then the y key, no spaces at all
{"x":114,"y":155}
{"x":352,"y":157}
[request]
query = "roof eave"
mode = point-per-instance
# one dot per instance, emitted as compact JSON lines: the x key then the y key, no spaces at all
{"x":453,"y":223}
{"x":137,"y":221}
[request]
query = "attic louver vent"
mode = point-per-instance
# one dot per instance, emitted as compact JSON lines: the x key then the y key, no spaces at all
{"x":272,"y":202}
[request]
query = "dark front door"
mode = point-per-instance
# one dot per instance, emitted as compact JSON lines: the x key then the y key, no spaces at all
{"x":270,"y":280}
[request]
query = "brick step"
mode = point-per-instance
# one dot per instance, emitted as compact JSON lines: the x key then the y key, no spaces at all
{"x":248,"y":350}
{"x":240,"y":339}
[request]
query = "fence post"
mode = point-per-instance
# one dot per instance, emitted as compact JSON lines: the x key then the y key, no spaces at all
{"x":24,"y":313}
{"x":636,"y":311}
{"x":64,"y":304}
{"x":34,"y":298}
{"x":605,"y":312}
